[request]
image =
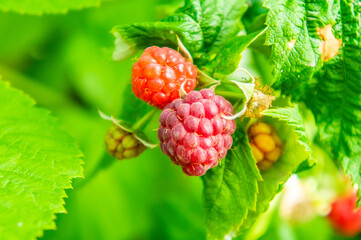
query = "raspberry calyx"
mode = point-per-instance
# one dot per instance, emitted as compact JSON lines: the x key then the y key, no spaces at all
{"x":260,"y":101}
{"x":193,"y":132}
{"x":158,"y":75}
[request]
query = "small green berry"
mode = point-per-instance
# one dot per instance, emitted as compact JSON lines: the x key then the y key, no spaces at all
{"x":121,"y":144}
{"x":129,"y":141}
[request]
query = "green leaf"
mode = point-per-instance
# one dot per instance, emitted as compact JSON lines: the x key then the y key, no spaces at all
{"x":142,"y":35}
{"x":230,"y":189}
{"x":337,"y":104}
{"x":227,"y":60}
{"x":200,"y":24}
{"x":232,"y":13}
{"x":208,"y":14}
{"x":37,"y":163}
{"x":293,"y":35}
{"x":219,"y":20}
{"x":255,"y":16}
{"x":39,"y":7}
{"x":288,"y":123}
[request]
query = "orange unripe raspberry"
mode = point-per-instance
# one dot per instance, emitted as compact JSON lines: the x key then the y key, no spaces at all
{"x":273,"y":155}
{"x":258,"y":128}
{"x":265,"y":143}
{"x":158,"y":75}
{"x":276,"y":138}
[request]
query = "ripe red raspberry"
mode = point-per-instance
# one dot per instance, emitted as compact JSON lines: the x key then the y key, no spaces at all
{"x":344,"y":215}
{"x":193,"y":133}
{"x":158,"y":75}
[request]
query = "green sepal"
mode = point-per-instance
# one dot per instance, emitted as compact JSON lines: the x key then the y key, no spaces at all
{"x":138,"y":134}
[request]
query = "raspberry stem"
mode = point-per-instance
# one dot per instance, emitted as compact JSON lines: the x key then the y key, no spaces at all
{"x":144,"y":120}
{"x":230,"y":95}
{"x":183,"y":50}
{"x":205,"y":80}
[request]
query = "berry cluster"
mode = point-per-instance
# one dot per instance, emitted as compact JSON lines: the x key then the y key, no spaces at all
{"x":265,"y":144}
{"x":158,"y":75}
{"x":121,"y":144}
{"x":193,"y":132}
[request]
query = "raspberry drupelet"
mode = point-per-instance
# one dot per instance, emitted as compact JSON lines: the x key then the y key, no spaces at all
{"x":265,"y":143}
{"x":158,"y":75}
{"x":193,"y":132}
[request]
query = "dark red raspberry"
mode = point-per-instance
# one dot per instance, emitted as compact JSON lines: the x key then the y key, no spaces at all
{"x":344,"y":215}
{"x":193,"y":133}
{"x":158,"y":75}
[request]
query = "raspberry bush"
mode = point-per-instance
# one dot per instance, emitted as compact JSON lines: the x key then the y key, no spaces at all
{"x":249,"y":104}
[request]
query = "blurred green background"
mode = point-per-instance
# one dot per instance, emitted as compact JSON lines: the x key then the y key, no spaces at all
{"x":64,"y":63}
